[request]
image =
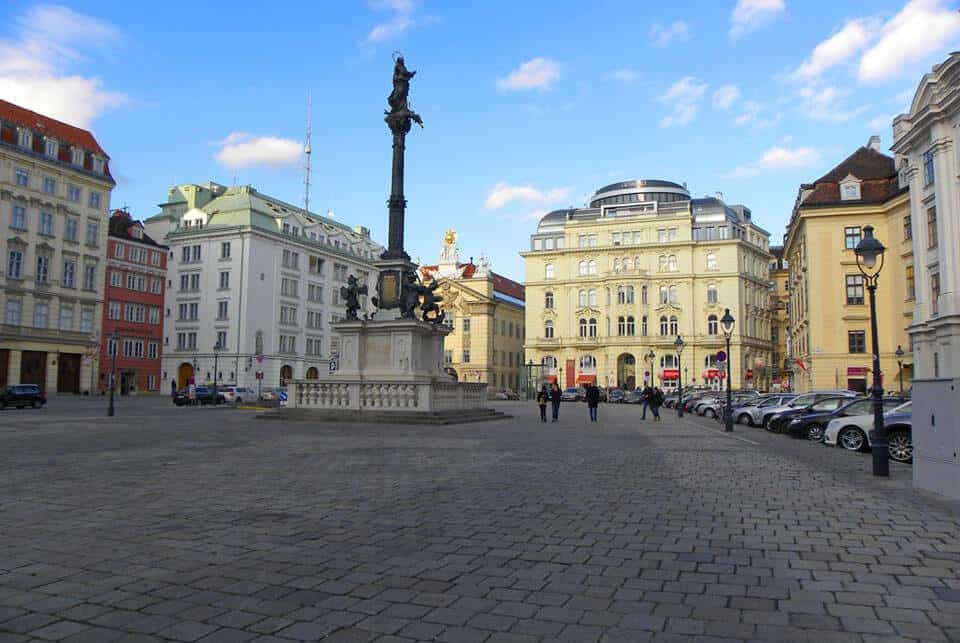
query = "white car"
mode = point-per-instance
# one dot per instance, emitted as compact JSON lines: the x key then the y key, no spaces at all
{"x":852,"y":432}
{"x":236,"y":394}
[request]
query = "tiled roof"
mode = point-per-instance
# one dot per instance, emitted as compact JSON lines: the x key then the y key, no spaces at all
{"x":49,"y":126}
{"x":877,"y":174}
{"x":501,"y":284}
{"x":120,"y":224}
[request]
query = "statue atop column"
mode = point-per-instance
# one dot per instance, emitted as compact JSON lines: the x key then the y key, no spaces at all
{"x":400,"y":115}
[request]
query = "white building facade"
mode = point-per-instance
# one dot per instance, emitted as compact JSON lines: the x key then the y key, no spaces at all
{"x":926,"y":145}
{"x":253,"y":285}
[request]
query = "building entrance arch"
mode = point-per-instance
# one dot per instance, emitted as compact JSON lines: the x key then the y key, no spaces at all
{"x":184,"y":375}
{"x":626,"y":371}
{"x":286,"y":374}
{"x":313,"y":373}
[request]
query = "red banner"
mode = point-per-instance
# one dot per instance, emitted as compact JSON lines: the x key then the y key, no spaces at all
{"x":586,"y":378}
{"x":857,"y":371}
{"x":670,"y":374}
{"x":712,"y":374}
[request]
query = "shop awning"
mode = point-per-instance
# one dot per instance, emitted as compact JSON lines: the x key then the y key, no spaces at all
{"x":584,"y":379}
{"x":670,"y":374}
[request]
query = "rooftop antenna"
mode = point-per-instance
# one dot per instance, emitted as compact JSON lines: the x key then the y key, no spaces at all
{"x":306,"y":151}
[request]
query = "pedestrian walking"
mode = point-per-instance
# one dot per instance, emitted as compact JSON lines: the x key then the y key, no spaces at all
{"x":542,"y":398}
{"x":647,"y":395}
{"x":593,"y":400}
{"x":173,"y":390}
{"x":656,"y":399}
{"x":555,"y":397}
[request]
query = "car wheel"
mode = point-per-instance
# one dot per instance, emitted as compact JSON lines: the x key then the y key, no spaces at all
{"x":900,"y":446}
{"x":815,"y":432}
{"x":852,"y":439}
{"x":710,"y":413}
{"x":745,"y":419}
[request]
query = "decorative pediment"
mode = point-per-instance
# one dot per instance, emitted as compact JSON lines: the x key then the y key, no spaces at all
{"x":589,"y":311}
{"x":16,"y":241}
{"x":45,"y":247}
{"x":548,"y":313}
{"x":668,"y":308}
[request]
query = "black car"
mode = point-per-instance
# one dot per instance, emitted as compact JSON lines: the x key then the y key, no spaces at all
{"x":779,"y":422}
{"x":21,"y":395}
{"x":812,"y":424}
{"x":202,"y":395}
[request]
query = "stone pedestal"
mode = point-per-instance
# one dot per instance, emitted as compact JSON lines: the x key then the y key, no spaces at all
{"x":389,"y":368}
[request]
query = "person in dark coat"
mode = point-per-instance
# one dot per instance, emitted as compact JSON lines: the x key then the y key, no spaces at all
{"x":555,"y":397}
{"x":542,"y":398}
{"x":647,"y":395}
{"x":656,"y":399}
{"x":593,"y":400}
{"x":173,"y":390}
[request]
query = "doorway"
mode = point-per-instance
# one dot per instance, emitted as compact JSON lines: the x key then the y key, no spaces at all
{"x":627,"y":372}
{"x":128,"y":382}
{"x":286,"y":374}
{"x":68,"y":373}
{"x":184,"y":375}
{"x":33,"y":368}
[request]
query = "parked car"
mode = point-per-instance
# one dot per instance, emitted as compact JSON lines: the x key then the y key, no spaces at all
{"x":202,"y":395}
{"x":505,"y":394}
{"x":752,"y":414}
{"x":812,"y":424}
{"x":713,"y":407}
{"x":778,"y":423}
{"x":800,"y":402}
{"x":236,"y":394}
{"x":571,"y":394}
{"x":270,"y":394}
{"x":633,"y":397}
{"x":21,"y":395}
{"x":853,"y":433}
{"x":616,"y":396}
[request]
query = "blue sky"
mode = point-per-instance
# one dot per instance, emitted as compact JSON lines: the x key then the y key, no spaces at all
{"x":528,"y":106}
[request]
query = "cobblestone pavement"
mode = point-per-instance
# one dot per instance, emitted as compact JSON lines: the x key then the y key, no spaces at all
{"x":209,"y":525}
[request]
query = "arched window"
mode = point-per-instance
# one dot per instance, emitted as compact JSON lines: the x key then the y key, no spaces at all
{"x":548,"y":329}
{"x":583,"y":327}
{"x":643,"y":295}
{"x":712,"y":294}
{"x":548,"y":362}
{"x":626,"y":264}
{"x":710,"y":361}
{"x":643,"y":325}
{"x":592,"y":297}
{"x":629,"y":294}
{"x":593,"y":327}
{"x":712,"y":261}
{"x":548,"y":299}
{"x":616,"y":265}
{"x":621,"y":295}
{"x":621,"y":326}
{"x":582,"y":298}
{"x":673,"y":325}
{"x":672,"y":263}
{"x":592,"y":267}
{"x":663,"y":325}
{"x":673,"y":295}
{"x":631,"y":326}
{"x":548,"y":271}
{"x":664,"y":295}
{"x":588,"y":362}
{"x":712,"y":325}
{"x":663,"y":263}
{"x":582,"y":268}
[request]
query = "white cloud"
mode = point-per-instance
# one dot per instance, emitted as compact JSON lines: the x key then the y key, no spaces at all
{"x":779,"y":158}
{"x":538,"y":73}
{"x":683,"y":97}
{"x":400,"y":22}
{"x":880,"y":124}
{"x":34,"y":64}
{"x":827,"y":103}
{"x":838,"y":48}
{"x":921,"y":28}
{"x":624,"y":75}
{"x":503,"y":194}
{"x":725,"y":96}
{"x":240,"y":149}
{"x":750,"y":15}
{"x":662,"y":35}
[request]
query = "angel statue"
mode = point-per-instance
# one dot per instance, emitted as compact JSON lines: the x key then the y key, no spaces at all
{"x":351,"y":294}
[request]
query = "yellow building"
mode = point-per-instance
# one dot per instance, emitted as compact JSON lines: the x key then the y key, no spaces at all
{"x":780,"y":320}
{"x":486,"y":313}
{"x":55,"y":186}
{"x":829,"y":304}
{"x":609,"y":283}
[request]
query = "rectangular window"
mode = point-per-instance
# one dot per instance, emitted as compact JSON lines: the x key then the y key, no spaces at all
{"x":76,"y":155}
{"x":195,"y":282}
{"x":928,"y":175}
{"x":94,"y":200}
{"x":155,"y":258}
{"x":40,"y":314}
{"x":222,"y":308}
{"x":49,"y":185}
{"x":857,"y":341}
{"x":111,"y":347}
{"x":154,"y":315}
{"x":73,"y":193}
{"x":23,"y":178}
{"x":854,"y":289}
{"x":69,"y":273}
{"x":932,"y":227}
{"x":224,"y":280}
{"x":184,"y":282}
{"x":18,"y":221}
{"x":222,"y":339}
{"x":46,"y":224}
{"x":288,"y":287}
{"x":118,"y":251}
{"x":72,"y":230}
{"x":25,"y":138}
{"x":195,"y":253}
{"x":90,"y":277}
{"x":851,"y":237}
{"x":185,"y":254}
{"x":152,"y":351}
{"x":935,"y":294}
{"x":907,"y":228}
{"x":12,"y":312}
{"x":156,"y":286}
{"x":466,"y":327}
{"x":43,"y":269}
{"x":225,"y":250}
{"x":66,"y":317}
{"x":98,"y":165}
{"x":86,"y":320}
{"x":466,"y":357}
{"x":50,"y":148}
{"x":93,"y":233}
{"x":911,"y":284}
{"x":448,"y":357}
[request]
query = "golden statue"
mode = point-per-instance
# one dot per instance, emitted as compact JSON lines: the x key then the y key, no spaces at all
{"x":450,"y":237}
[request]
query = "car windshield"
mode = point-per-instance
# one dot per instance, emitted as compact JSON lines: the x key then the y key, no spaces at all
{"x":803,"y":400}
{"x":903,"y":408}
{"x":772,"y":401}
{"x":827,"y":405}
{"x":860,"y":407}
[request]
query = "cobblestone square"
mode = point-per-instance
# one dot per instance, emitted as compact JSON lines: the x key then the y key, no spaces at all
{"x":188,"y":524}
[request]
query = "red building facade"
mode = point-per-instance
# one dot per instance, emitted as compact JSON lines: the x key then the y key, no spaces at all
{"x":132,"y":308}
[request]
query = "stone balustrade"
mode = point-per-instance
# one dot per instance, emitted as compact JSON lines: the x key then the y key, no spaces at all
{"x":358,"y":395}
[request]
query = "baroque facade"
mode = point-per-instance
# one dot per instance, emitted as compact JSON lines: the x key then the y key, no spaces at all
{"x":927,"y":149}
{"x":253,"y":285}
{"x":609,"y":283}
{"x":55,"y":187}
{"x":829,"y":305}
{"x":485,"y":313}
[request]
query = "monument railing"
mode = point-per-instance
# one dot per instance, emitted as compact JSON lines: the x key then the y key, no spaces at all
{"x":387,"y":396}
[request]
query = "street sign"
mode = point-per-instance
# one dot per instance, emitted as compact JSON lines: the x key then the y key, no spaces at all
{"x":259,"y":375}
{"x":333,"y":365}
{"x":283,"y":397}
{"x":721,"y":356}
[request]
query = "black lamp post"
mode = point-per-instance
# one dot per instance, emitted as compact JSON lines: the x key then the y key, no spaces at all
{"x":868,"y":251}
{"x":216,"y":353}
{"x":115,"y":336}
{"x":726,"y":324}
{"x":899,"y":355}
{"x":650,"y":357}
{"x":679,"y":346}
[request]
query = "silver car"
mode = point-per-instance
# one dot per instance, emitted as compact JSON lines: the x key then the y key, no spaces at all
{"x":751,"y":415}
{"x":800,"y":401}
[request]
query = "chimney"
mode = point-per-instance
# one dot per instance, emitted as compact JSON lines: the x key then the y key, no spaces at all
{"x":719,"y":196}
{"x":874,"y":143}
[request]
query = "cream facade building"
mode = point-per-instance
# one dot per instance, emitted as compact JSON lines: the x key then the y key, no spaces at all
{"x":485,"y":312}
{"x":779,"y":321}
{"x":928,"y":153}
{"x":609,"y":283}
{"x":829,"y":304}
{"x":55,"y":187}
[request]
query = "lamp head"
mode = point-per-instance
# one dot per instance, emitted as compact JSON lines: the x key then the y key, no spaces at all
{"x":678,"y":344}
{"x":899,"y":352}
{"x":727,"y":322}
{"x":869,"y":252}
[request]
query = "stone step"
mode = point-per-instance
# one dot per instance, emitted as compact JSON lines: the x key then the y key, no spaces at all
{"x":376,"y":416}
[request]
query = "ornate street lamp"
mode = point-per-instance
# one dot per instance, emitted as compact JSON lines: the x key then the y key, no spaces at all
{"x":679,"y":346}
{"x":899,"y":355}
{"x":216,"y":354}
{"x":869,"y":254}
{"x":650,"y":357}
{"x":115,"y":337}
{"x":726,"y":325}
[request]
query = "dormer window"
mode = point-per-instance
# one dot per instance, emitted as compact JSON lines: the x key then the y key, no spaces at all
{"x":76,"y":156}
{"x":137,"y":233}
{"x":25,"y":138}
{"x":850,"y":188}
{"x":50,"y":147}
{"x":98,"y":165}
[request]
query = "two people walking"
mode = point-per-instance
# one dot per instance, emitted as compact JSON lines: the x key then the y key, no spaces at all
{"x":551,"y":396}
{"x":653,"y":398}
